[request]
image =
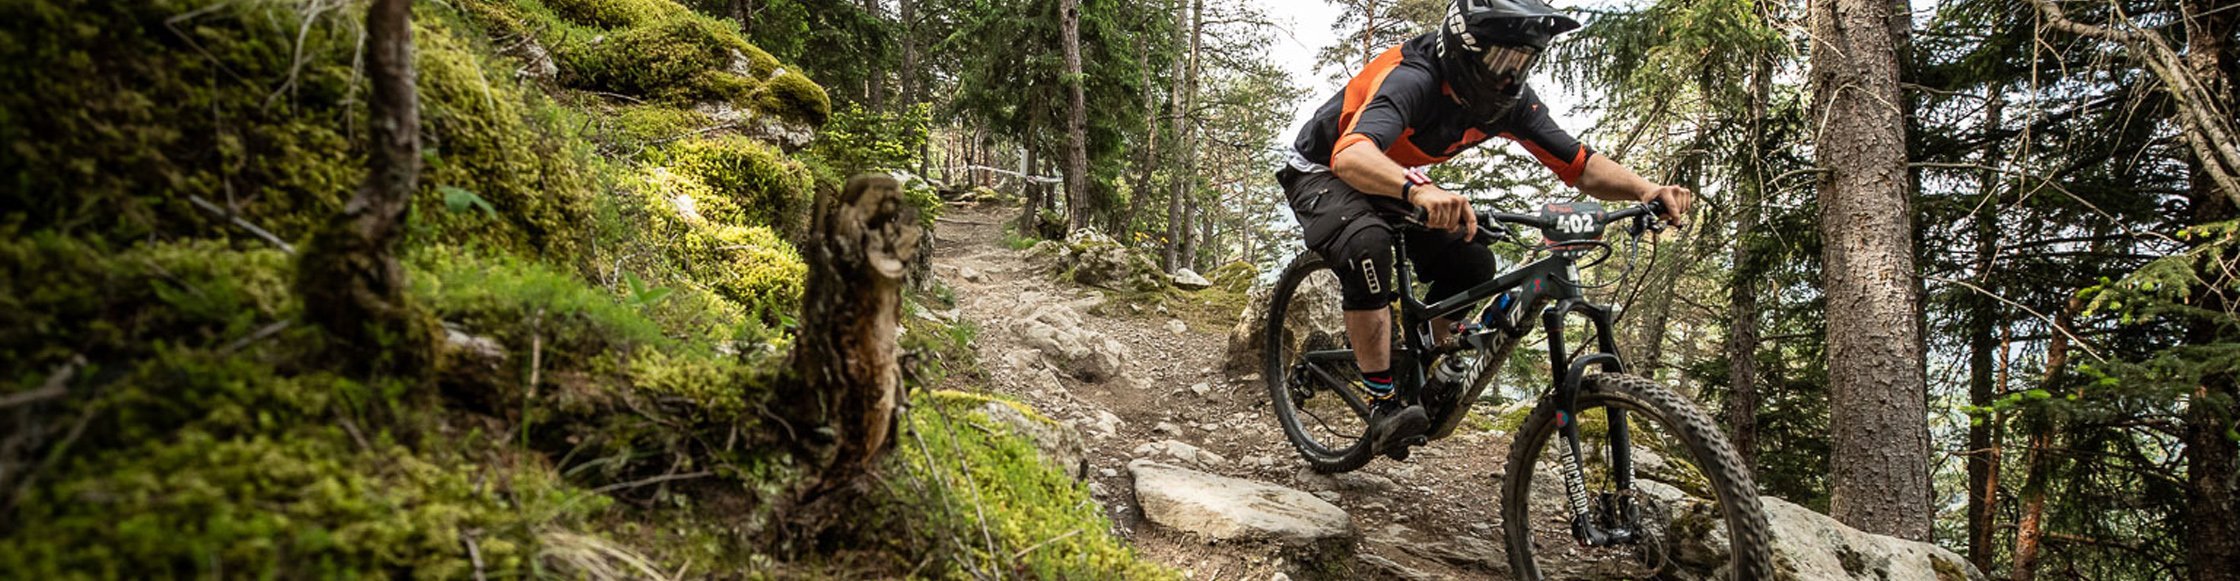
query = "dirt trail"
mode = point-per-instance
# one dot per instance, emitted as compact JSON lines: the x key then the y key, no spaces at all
{"x":1429,"y":517}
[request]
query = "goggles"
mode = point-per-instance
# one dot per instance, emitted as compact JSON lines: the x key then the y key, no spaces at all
{"x":1512,"y":61}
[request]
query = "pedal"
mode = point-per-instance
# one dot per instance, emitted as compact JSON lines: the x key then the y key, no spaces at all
{"x":1400,"y":452}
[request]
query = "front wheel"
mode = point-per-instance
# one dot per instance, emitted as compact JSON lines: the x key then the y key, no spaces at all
{"x":1692,"y":511}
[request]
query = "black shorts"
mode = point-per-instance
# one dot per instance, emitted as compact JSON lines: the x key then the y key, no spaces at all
{"x":1353,"y":232}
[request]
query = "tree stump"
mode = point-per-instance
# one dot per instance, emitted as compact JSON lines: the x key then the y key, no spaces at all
{"x":859,"y":250}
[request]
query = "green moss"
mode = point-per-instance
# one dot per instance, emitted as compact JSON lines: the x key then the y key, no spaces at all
{"x":128,"y":125}
{"x":300,"y":504}
{"x":63,"y":297}
{"x":651,"y":123}
{"x":743,"y":182}
{"x":1236,"y":277}
{"x":1948,"y":570}
{"x":712,"y":384}
{"x":750,"y":266}
{"x":678,"y":60}
{"x":483,"y":137}
{"x":1042,"y":522}
{"x":243,"y":122}
{"x":508,"y":296}
{"x":613,"y":13}
{"x":793,"y":96}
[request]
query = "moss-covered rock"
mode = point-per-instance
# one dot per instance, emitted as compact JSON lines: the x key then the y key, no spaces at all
{"x":658,"y":51}
{"x":794,"y":96}
{"x":738,"y":181}
{"x":720,"y":205}
{"x":612,"y":13}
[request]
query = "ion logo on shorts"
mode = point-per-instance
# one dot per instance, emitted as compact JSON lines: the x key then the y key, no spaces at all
{"x":1369,"y":272}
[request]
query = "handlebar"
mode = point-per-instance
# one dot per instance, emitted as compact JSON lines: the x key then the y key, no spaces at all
{"x":1643,"y":216}
{"x":1649,"y":210}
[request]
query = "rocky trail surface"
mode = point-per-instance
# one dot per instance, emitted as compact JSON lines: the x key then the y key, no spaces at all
{"x":1192,"y":467}
{"x":1141,"y":383}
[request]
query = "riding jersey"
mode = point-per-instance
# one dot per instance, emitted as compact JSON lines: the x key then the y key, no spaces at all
{"x":1399,"y":103}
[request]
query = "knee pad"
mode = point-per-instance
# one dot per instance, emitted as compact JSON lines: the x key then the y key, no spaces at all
{"x":1362,"y":259}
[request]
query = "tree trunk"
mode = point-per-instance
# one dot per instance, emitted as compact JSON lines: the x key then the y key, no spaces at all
{"x":2213,"y":542}
{"x":2029,"y":535}
{"x":1983,"y":323}
{"x":1879,"y":409}
{"x":911,"y":93}
{"x":1368,"y":32}
{"x":349,"y":278}
{"x":1030,"y":214}
{"x":1186,"y":179}
{"x":1742,"y":293}
{"x":875,"y":82}
{"x":1077,"y":120}
{"x":1149,"y":164}
{"x":850,"y":378}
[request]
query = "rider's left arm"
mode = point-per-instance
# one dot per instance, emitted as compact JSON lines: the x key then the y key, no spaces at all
{"x":1611,"y":181}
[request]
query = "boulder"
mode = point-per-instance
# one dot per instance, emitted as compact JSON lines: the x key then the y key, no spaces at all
{"x":1097,"y":260}
{"x":1057,"y":444}
{"x":1190,"y":280}
{"x":1810,"y":545}
{"x":1231,"y":509}
{"x":1182,"y":451}
{"x":1315,"y":319}
{"x":1089,"y":257}
{"x":1806,"y":544}
{"x":1058,"y":332}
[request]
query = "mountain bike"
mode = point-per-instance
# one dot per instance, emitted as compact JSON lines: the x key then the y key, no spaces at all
{"x":1695,"y":513}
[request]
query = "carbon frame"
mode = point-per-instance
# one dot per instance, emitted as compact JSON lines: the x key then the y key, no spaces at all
{"x":1551,"y":279}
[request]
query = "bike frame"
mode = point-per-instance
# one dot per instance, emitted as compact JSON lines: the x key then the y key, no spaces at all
{"x":1552,"y":279}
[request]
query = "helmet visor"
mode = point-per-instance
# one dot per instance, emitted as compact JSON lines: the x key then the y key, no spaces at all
{"x":1509,"y":61}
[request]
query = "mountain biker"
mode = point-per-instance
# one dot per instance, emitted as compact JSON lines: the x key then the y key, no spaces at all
{"x":1348,"y":178}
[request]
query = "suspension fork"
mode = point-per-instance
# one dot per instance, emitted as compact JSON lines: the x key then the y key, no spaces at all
{"x":1568,"y":377}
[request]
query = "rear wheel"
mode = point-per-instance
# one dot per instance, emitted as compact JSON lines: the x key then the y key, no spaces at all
{"x":1692,"y":504}
{"x":1312,"y":382}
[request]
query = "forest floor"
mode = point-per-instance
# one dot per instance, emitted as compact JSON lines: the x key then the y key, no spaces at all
{"x":1431,"y":516}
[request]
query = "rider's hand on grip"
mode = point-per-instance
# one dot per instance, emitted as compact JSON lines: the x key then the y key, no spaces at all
{"x":1445,"y":210}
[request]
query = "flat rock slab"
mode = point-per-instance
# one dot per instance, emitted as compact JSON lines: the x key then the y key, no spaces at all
{"x":1232,"y":509}
{"x":1810,"y":545}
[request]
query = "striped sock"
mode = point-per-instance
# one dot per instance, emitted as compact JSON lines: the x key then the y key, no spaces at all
{"x":1379,"y":383}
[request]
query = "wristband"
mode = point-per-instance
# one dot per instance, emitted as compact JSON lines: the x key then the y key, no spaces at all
{"x":1406,"y":191}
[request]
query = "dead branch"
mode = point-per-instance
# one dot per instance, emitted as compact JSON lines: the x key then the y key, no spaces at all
{"x":267,"y":235}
